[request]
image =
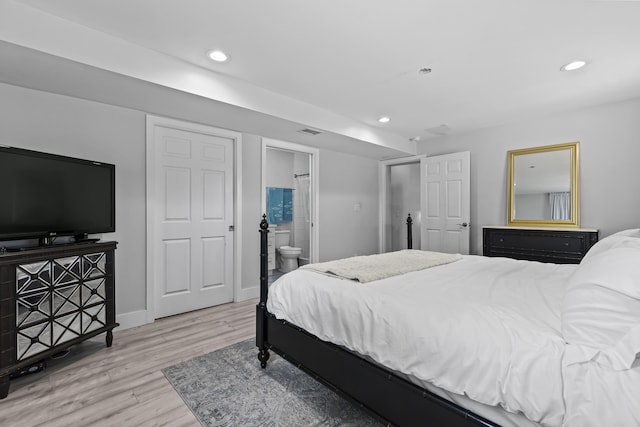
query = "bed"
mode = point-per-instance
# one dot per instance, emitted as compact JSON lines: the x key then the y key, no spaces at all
{"x":469,"y":341}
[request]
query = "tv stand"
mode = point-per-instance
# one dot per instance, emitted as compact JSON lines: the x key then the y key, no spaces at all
{"x":86,"y":240}
{"x":52,"y":298}
{"x":19,"y":249}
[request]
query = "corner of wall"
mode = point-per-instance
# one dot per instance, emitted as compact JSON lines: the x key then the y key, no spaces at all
{"x":248,"y":293}
{"x":132,"y":319}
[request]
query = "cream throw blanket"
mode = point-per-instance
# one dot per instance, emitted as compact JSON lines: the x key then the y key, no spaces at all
{"x":375,"y":267}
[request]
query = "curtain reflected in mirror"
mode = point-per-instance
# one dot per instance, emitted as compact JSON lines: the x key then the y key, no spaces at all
{"x":543,"y":188}
{"x":559,"y":205}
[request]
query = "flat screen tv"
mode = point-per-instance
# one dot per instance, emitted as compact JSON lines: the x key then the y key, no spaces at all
{"x":45,"y":195}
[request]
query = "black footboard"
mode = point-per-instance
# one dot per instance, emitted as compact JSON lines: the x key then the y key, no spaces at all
{"x":379,"y":391}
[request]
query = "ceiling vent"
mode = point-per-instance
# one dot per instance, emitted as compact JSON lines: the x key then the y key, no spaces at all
{"x":439,"y":130}
{"x":310,"y":131}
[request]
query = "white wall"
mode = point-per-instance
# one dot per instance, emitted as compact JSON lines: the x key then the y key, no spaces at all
{"x":609,"y":137}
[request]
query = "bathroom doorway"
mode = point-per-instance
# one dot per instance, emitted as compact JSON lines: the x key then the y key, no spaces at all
{"x":289,"y":198}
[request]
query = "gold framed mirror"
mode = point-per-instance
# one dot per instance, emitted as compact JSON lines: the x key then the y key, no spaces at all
{"x":543,"y":188}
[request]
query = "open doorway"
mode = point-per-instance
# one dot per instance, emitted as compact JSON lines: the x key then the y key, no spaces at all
{"x":289,"y":198}
{"x":399,"y":197}
{"x":404,"y":199}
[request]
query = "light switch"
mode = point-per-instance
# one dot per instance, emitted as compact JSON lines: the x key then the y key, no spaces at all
{"x":357,"y":207}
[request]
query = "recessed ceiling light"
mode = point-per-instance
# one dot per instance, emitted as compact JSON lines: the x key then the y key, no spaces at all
{"x":384,"y":119}
{"x":218,"y":56}
{"x":571,"y":66}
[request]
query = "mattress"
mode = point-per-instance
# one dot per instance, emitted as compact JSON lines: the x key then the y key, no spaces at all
{"x":482,"y":332}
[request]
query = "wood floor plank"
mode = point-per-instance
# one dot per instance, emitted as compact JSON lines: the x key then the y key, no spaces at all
{"x":123,"y":385}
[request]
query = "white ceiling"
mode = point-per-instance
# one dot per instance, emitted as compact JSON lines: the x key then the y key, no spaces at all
{"x":492,"y":62}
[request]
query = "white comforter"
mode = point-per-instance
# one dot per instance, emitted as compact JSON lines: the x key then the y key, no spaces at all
{"x":485,"y":327}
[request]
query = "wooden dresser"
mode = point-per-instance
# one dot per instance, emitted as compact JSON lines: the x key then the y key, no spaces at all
{"x":560,"y":246}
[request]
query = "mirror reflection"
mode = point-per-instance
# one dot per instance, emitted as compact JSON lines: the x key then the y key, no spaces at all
{"x":543,"y":186}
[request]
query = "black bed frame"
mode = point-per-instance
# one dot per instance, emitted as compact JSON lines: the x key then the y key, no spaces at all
{"x":385,"y":395}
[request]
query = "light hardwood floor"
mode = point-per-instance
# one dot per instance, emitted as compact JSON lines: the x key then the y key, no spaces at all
{"x":123,"y":385}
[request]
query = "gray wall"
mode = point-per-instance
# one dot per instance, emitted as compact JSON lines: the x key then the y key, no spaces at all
{"x":609,"y":137}
{"x":532,"y":206}
{"x":279,"y":168}
{"x":251,"y":209}
{"x":347,"y":183}
{"x":78,"y":128}
{"x":82,"y":128}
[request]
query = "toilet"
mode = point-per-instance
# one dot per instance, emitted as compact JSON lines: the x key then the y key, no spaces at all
{"x":288,"y":254}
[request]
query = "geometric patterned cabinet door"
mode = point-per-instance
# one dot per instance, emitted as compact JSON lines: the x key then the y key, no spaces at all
{"x":59,"y":300}
{"x":58,"y":297}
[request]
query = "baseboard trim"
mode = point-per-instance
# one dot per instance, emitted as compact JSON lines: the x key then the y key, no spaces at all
{"x":132,"y":319}
{"x":140,"y":317}
{"x":248,"y":293}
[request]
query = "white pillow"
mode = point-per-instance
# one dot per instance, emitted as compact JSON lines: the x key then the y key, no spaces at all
{"x":630,"y":237}
{"x":601,"y":307}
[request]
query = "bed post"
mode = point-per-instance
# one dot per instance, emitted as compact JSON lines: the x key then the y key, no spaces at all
{"x":409,"y":233}
{"x":261,"y":309}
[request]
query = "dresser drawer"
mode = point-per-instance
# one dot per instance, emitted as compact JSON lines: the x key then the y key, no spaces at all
{"x":557,"y":246}
{"x":542,"y":242}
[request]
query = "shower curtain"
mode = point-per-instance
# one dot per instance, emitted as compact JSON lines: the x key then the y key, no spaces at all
{"x":302,"y":221}
{"x":303,"y":184}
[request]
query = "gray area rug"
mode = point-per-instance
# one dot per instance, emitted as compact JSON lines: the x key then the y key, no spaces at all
{"x":228,"y":388}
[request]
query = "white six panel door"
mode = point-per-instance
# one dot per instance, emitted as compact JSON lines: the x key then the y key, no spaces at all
{"x":194,"y":214}
{"x":446,"y":202}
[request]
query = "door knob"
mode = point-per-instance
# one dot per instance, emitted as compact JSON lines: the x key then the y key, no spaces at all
{"x":464,"y":224}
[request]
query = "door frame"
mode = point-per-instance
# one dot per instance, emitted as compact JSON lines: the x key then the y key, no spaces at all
{"x":314,"y":244}
{"x":151,"y":123}
{"x":384,"y":175}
